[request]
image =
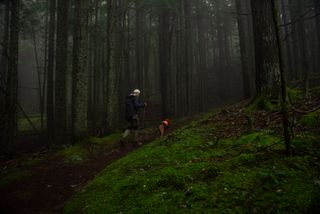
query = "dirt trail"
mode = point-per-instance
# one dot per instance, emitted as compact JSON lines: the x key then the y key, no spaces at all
{"x":54,"y":181}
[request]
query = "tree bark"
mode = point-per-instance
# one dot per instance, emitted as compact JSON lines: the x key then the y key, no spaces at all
{"x":80,"y":73}
{"x":115,"y":43}
{"x":202,"y":49}
{"x":303,"y":48}
{"x":317,"y":10}
{"x":140,"y":32}
{"x":50,"y":72}
{"x":267,"y":56}
{"x":243,"y":28}
{"x":10,"y":131}
{"x":4,"y":59}
{"x":284,"y":104}
{"x":164,"y":57}
{"x":188,"y":56}
{"x":61,"y":71}
{"x":288,"y":52}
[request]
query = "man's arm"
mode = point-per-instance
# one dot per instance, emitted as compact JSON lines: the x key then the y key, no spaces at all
{"x":138,"y":103}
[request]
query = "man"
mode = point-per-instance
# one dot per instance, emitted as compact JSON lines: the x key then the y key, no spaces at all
{"x":133,"y":104}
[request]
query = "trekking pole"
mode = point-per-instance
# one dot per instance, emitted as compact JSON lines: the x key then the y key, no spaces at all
{"x":144,"y":118}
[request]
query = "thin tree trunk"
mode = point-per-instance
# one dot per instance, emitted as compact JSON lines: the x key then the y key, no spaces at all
{"x":202,"y":49}
{"x":243,"y":28}
{"x":12,"y":78}
{"x":4,"y":59}
{"x":61,"y":71}
{"x":288,"y":53}
{"x":164,"y":57}
{"x":38,"y":69}
{"x":188,"y":56}
{"x":284,"y":104}
{"x":115,"y":43}
{"x":317,"y":10}
{"x":80,"y":73}
{"x":50,"y":72}
{"x":140,"y":42}
{"x":303,"y":49}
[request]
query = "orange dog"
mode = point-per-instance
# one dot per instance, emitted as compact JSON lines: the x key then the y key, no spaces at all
{"x":163,"y":127}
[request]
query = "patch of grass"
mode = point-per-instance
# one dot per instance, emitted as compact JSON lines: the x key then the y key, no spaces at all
{"x":24,"y":125}
{"x":74,"y":153}
{"x":14,"y":176}
{"x":82,"y":150}
{"x":186,"y":172}
{"x":295,"y":95}
{"x":260,"y":103}
{"x":311,"y":120}
{"x":31,"y":162}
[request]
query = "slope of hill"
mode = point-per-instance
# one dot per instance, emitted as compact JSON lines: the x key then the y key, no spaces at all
{"x":227,"y":162}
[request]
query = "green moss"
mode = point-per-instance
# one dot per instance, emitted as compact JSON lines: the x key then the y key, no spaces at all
{"x":74,"y":153}
{"x":24,"y":125}
{"x":295,"y":95}
{"x":17,"y":175}
{"x":186,"y":172}
{"x":260,"y":103}
{"x":31,"y":162}
{"x":311,"y":120}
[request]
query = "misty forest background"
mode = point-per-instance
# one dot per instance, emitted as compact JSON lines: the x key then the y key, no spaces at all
{"x":67,"y":65}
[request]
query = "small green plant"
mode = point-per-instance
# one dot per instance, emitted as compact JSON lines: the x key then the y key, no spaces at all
{"x":260,"y":103}
{"x":311,"y":120}
{"x":74,"y":153}
{"x":295,"y":95}
{"x":11,"y":177}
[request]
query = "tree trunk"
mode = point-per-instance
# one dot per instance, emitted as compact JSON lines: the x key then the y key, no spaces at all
{"x":4,"y":59}
{"x":188,"y":56}
{"x":202,"y":48}
{"x":164,"y":57}
{"x":243,"y":28}
{"x":295,"y":40}
{"x":61,"y":71}
{"x":267,"y":56}
{"x":51,"y":57}
{"x":303,"y":48}
{"x":115,"y":43}
{"x":284,"y":104}
{"x":10,"y":131}
{"x":317,"y":10}
{"x":288,"y":53}
{"x":140,"y":43}
{"x":80,"y":73}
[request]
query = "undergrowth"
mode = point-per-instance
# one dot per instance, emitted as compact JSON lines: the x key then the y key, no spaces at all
{"x":87,"y":147}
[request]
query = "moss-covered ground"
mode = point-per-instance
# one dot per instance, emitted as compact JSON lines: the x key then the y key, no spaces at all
{"x":210,"y":166}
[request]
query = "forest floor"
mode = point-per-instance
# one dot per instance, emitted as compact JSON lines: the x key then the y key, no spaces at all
{"x":43,"y":181}
{"x":226,"y":139}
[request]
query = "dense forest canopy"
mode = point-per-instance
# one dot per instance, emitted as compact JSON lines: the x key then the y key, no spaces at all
{"x":74,"y":61}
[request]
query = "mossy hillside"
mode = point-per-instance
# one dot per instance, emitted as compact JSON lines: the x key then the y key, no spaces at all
{"x":190,"y":172}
